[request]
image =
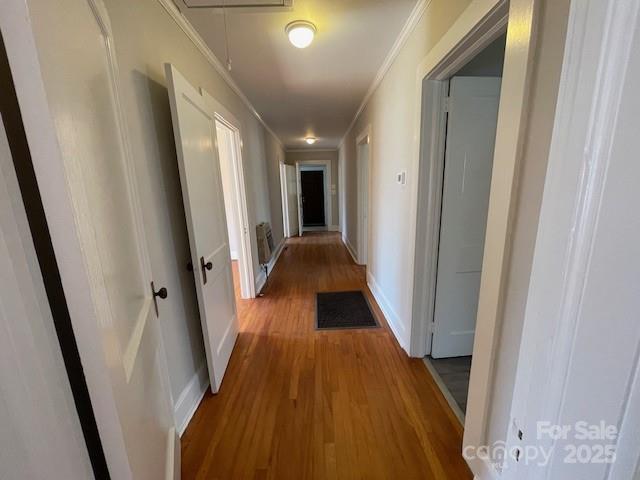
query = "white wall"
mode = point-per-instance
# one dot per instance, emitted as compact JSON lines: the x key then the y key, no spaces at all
{"x":146,"y":37}
{"x":332,"y":155}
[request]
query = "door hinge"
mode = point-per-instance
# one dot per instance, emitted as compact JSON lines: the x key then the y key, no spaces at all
{"x":446,"y":104}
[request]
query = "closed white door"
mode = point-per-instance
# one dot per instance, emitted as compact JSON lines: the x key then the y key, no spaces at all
{"x":363,"y":202}
{"x":471,"y":132}
{"x":292,"y":199}
{"x":194,"y":127}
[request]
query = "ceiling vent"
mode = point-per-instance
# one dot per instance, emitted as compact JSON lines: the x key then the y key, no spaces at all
{"x":242,"y":5}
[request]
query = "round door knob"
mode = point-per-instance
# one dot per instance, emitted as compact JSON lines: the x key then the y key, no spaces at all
{"x":208,"y":265}
{"x":162,"y":293}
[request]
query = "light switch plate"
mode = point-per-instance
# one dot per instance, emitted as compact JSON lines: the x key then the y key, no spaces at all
{"x":401,"y":177}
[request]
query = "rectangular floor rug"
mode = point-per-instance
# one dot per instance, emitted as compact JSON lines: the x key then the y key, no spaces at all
{"x":343,"y":310}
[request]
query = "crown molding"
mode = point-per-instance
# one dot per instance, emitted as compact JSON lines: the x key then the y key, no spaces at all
{"x":199,"y":42}
{"x":407,"y":29}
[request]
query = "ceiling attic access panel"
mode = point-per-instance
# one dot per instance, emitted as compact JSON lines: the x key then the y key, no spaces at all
{"x":242,"y":5}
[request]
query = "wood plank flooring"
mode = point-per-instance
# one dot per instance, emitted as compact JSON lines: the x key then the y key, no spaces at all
{"x":297,"y":403}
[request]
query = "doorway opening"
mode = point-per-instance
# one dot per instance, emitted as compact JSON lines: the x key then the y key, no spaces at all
{"x":363,"y":165}
{"x":469,"y":131}
{"x":314,"y":197}
{"x":229,"y":142}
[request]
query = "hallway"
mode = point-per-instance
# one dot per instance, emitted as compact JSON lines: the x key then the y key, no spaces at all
{"x":298,"y":403}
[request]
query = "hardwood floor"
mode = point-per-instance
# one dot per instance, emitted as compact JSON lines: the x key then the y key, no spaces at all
{"x":297,"y":403}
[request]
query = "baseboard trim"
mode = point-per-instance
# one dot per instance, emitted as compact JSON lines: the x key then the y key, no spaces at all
{"x":391,"y":316}
{"x":261,"y":279}
{"x":350,"y":248}
{"x":190,"y":398}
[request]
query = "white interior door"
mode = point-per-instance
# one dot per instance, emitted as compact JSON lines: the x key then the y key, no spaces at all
{"x":363,"y":202}
{"x":292,"y":199}
{"x":37,"y":407}
{"x":471,"y":132}
{"x":109,"y":288}
{"x":194,"y":127}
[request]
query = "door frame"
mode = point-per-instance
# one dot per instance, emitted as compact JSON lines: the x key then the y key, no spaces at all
{"x":225,"y":117}
{"x":478,"y":25}
{"x":434,"y":86}
{"x":364,"y":138}
{"x":328,"y":218}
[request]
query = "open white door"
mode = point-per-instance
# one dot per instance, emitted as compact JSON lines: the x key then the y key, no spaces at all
{"x":37,"y":408}
{"x":194,"y":127}
{"x":78,"y":135}
{"x":292,"y":200}
{"x":471,"y":133}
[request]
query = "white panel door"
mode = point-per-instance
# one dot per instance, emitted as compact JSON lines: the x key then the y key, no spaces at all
{"x":292,"y":199}
{"x":80,"y":75}
{"x":194,"y":127}
{"x":36,"y":404}
{"x":471,"y":132}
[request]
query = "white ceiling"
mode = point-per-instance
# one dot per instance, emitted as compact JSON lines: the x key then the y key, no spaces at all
{"x":315,"y":91}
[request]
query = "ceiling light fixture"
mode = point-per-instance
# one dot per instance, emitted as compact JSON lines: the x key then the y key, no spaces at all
{"x":310,"y":140}
{"x":300,"y":33}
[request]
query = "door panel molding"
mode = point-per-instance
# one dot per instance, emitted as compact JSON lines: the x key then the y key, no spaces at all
{"x":133,"y":346}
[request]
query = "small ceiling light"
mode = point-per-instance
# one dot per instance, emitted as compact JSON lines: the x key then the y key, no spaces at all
{"x":300,"y":33}
{"x":310,"y":140}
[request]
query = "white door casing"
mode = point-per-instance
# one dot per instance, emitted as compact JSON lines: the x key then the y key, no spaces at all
{"x":194,"y":126}
{"x":328,"y":216}
{"x":363,"y":144}
{"x":471,"y":132}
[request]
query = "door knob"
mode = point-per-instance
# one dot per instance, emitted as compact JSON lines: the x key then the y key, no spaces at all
{"x":204,"y":266}
{"x":162,"y":293}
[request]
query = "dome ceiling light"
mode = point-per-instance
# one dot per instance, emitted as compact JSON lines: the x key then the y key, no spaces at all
{"x":300,"y":33}
{"x":310,"y":140}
